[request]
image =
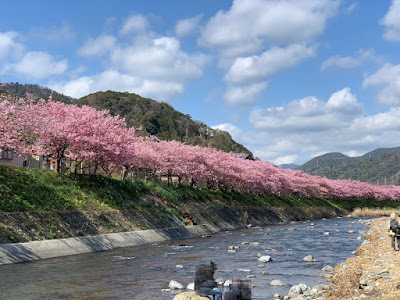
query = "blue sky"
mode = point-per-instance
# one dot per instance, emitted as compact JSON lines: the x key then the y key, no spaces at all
{"x":289,"y":79}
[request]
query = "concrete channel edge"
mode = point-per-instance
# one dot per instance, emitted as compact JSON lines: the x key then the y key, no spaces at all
{"x":37,"y":250}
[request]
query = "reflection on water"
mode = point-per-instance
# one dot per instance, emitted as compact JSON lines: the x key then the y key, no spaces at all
{"x":142,"y":272}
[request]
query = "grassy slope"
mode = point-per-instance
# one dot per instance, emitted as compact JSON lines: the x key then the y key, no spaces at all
{"x":37,"y":204}
{"x":23,"y":189}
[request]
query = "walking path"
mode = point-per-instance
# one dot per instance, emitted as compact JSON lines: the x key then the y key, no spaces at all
{"x":374,"y":273}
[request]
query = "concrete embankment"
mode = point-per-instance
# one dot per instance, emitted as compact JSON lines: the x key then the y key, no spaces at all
{"x":373,"y":273}
{"x":23,"y":252}
{"x":222,"y":219}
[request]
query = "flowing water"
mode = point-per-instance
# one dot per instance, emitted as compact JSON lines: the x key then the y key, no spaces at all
{"x":141,"y":272}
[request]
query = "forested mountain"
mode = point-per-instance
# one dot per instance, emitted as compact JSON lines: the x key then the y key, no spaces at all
{"x":161,"y":119}
{"x":379,"y":166}
{"x":156,"y":118}
{"x":34,"y":89}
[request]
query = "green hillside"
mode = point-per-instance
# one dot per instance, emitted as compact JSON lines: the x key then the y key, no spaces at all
{"x":37,"y":91}
{"x":162,"y":120}
{"x":378,"y":166}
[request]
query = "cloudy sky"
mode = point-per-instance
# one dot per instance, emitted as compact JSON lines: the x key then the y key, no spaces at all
{"x":289,"y":79}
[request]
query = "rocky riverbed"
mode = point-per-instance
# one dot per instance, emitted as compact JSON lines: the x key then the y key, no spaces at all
{"x":295,"y":254}
{"x":375,"y":271}
{"x":372,"y":274}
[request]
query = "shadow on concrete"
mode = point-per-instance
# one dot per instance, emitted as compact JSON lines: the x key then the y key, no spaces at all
{"x":16,"y":253}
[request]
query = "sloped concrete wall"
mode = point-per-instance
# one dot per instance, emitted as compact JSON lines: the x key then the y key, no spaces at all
{"x":24,"y":252}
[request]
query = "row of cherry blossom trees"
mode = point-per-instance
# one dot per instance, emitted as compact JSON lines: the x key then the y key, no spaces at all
{"x":84,"y":134}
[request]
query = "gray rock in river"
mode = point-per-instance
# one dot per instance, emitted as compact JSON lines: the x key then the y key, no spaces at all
{"x":309,"y":258}
{"x":277,"y":282}
{"x":297,"y":290}
{"x":327,"y":268}
{"x":175,"y":285}
{"x":265,"y":258}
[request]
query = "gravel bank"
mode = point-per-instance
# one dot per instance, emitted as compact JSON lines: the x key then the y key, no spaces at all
{"x":373,"y":273}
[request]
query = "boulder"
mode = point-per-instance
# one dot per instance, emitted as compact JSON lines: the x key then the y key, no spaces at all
{"x":265,"y":258}
{"x":228,"y":282}
{"x":175,"y":285}
{"x":297,"y":290}
{"x":327,"y":268}
{"x":309,"y":258}
{"x":277,"y":282}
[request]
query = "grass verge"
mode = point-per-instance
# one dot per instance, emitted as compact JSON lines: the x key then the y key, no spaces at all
{"x":23,"y":189}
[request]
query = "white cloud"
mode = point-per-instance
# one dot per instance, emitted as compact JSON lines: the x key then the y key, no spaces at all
{"x":150,"y":65}
{"x":287,"y":159}
{"x":99,"y":46}
{"x":159,"y":58}
{"x":134,"y":24}
{"x":379,"y":123}
{"x":244,"y":94}
{"x":391,"y":22}
{"x":309,"y":114}
{"x":187,"y":26}
{"x":114,"y":80}
{"x":8,"y":45}
{"x":75,"y":88}
{"x":38,"y":65}
{"x":388,"y":79}
{"x":233,"y":130}
{"x":349,"y":62}
{"x":247,"y":69}
{"x":303,"y":128}
{"x":248,"y":24}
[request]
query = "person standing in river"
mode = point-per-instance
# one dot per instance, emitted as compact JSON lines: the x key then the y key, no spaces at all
{"x":394,"y":231}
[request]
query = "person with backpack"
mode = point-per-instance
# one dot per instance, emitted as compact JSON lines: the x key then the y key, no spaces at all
{"x":394,"y":231}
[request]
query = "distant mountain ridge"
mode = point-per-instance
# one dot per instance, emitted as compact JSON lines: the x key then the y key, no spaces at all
{"x":156,"y":118}
{"x":35,"y":90}
{"x":380,"y":166}
{"x":289,"y":166}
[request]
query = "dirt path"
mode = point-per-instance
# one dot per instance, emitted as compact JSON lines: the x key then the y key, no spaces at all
{"x":374,"y":273}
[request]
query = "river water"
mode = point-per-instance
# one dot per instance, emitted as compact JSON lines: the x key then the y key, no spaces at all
{"x":141,"y":272}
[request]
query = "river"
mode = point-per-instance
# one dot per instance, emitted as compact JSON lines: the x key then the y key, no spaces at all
{"x":141,"y":272}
